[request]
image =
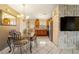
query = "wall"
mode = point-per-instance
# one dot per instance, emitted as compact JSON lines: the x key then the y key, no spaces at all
{"x":4,"y":30}
{"x":55,"y":18}
{"x":66,"y":39}
{"x":69,"y":39}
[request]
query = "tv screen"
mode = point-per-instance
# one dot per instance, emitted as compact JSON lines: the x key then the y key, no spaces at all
{"x":69,"y":23}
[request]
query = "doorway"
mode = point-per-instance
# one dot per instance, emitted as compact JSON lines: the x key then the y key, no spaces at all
{"x":51,"y":30}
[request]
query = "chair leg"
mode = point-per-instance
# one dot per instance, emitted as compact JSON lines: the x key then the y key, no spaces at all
{"x":10,"y":49}
{"x":21,"y":49}
{"x":27,"y":46}
{"x":36,"y":44}
{"x":9,"y":44}
{"x":13,"y":49}
{"x":30,"y":46}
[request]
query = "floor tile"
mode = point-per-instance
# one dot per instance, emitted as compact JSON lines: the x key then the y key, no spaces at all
{"x":66,"y":51}
{"x":45,"y":46}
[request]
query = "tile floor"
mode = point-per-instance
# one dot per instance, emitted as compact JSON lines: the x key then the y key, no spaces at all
{"x":45,"y":46}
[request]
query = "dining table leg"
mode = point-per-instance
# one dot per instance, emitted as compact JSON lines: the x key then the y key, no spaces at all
{"x":30,"y":46}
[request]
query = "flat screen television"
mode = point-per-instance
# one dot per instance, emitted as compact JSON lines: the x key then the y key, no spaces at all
{"x":69,"y":23}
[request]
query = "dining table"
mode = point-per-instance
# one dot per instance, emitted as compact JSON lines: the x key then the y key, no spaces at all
{"x":11,"y":38}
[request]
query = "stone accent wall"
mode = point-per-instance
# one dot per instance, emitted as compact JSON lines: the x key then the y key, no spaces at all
{"x":68,"y":10}
{"x":65,"y":39}
{"x":69,"y":40}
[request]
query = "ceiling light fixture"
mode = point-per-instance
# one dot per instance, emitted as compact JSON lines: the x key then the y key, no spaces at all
{"x":27,"y":17}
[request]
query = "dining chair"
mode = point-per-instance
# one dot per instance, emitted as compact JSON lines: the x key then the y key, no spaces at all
{"x":19,"y":41}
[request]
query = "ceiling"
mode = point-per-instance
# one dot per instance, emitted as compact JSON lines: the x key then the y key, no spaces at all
{"x":41,"y":11}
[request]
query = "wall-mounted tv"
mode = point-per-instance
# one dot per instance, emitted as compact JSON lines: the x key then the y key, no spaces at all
{"x":69,"y":23}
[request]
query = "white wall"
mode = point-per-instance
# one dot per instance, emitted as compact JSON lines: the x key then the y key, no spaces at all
{"x":55,"y":18}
